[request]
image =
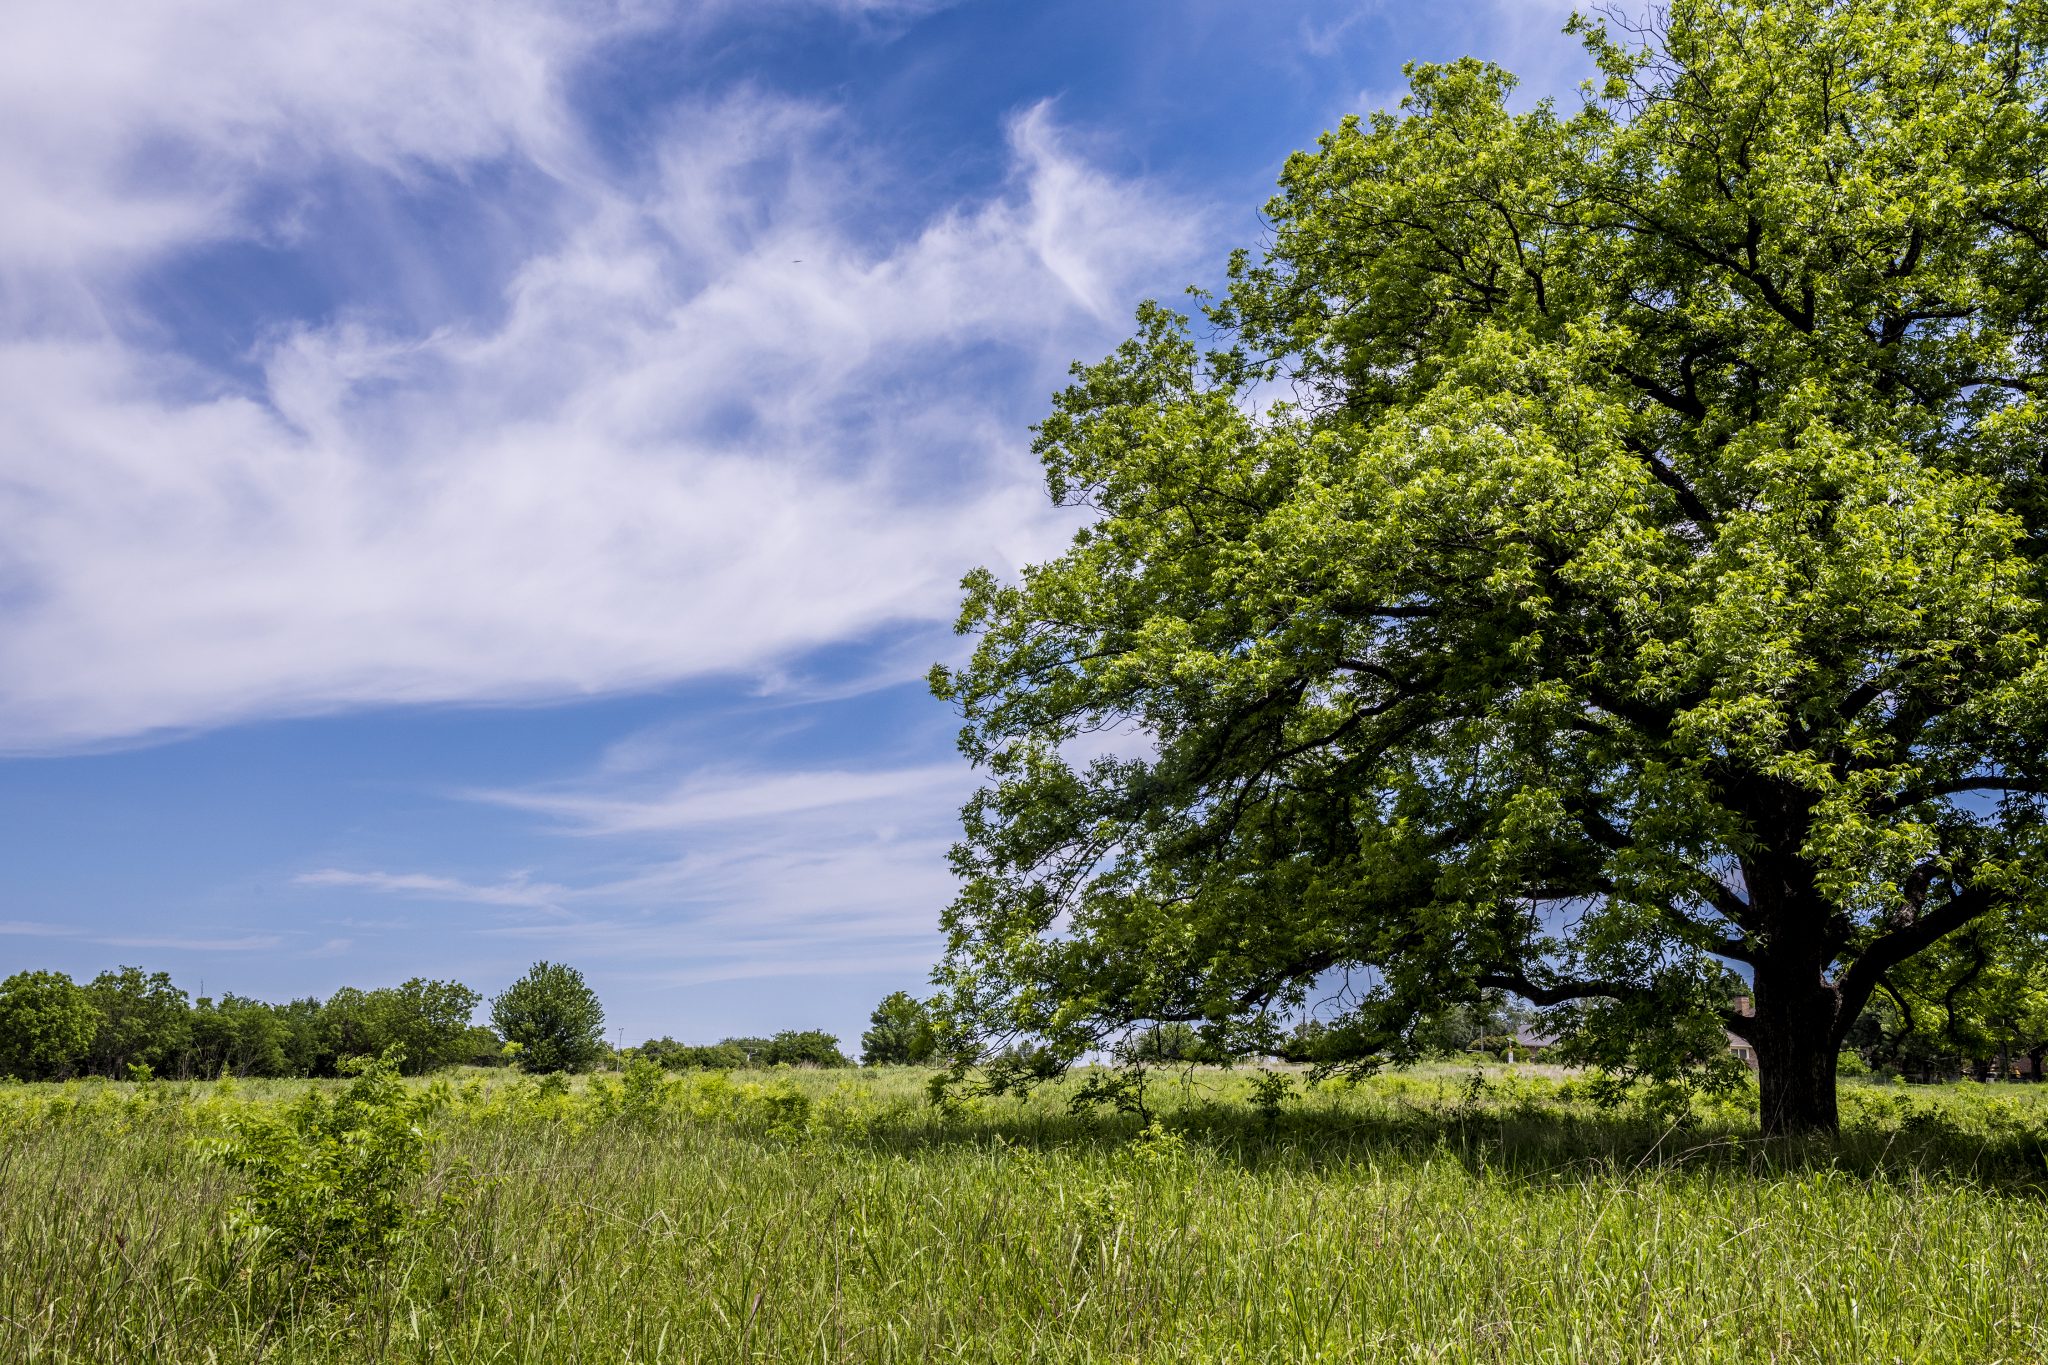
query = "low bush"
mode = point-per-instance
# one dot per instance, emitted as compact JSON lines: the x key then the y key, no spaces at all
{"x":332,"y":1180}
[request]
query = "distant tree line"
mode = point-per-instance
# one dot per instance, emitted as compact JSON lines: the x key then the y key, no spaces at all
{"x":901,"y":1032}
{"x":134,"y":1024}
{"x":791,"y":1047}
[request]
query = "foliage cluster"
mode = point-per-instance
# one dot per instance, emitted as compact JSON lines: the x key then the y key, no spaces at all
{"x":901,"y":1032}
{"x":667,"y":1053}
{"x":332,"y":1181}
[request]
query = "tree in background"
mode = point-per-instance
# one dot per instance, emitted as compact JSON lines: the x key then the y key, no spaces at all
{"x":145,"y":1025}
{"x":1977,"y":1002}
{"x":1170,"y":1044}
{"x":671,"y":1055}
{"x":347,"y":1027}
{"x":900,"y":1033}
{"x":804,"y":1047}
{"x":1607,"y":545}
{"x":1457,"y":1025}
{"x":428,"y":1021}
{"x":47,"y":1025}
{"x":554,"y":1018}
{"x":299,"y":1021}
{"x":481,"y":1046}
{"x":145,"y":1022}
{"x":237,"y":1036}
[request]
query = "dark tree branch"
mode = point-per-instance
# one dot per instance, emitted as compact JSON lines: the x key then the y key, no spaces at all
{"x":1560,"y":993}
{"x":1955,"y":786}
{"x":1859,"y":697}
{"x":1657,"y":723}
{"x":1684,"y":404}
{"x":1688,"y":500}
{"x":1889,"y":950}
{"x":1905,"y":1006}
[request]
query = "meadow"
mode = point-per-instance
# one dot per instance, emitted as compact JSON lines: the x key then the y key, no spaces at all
{"x":1440,"y":1214}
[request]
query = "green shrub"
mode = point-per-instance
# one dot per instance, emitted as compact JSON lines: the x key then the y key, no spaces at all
{"x":900,"y":1033}
{"x":332,"y":1180}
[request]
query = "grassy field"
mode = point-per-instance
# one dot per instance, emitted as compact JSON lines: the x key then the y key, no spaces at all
{"x":1440,"y":1214}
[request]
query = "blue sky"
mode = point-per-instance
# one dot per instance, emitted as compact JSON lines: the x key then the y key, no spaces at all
{"x":484,"y":481}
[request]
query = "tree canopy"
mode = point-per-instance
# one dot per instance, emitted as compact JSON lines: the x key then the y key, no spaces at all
{"x":899,"y":1033}
{"x":1601,"y":546}
{"x":46,"y":1024}
{"x":554,"y":1017}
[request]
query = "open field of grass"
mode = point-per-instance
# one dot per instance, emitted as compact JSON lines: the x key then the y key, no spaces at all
{"x":835,"y":1216}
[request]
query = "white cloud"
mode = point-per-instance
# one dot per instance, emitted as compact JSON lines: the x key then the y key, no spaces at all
{"x":239,"y":943}
{"x":717,"y":797}
{"x":730,"y":874}
{"x":712,"y":429}
{"x":141,"y":125}
{"x":516,"y":890}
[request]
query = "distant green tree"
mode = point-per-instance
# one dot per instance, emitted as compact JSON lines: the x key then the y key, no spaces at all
{"x":481,"y":1046}
{"x":347,"y":1027}
{"x":804,"y":1047}
{"x":1172,"y":1042}
{"x":753,"y":1050}
{"x":1455,"y":1026}
{"x":1977,"y":1001}
{"x":238,"y":1035}
{"x":145,"y":1020}
{"x":900,"y":1033}
{"x":554,"y":1017}
{"x":427,"y":1021}
{"x":298,"y":1023}
{"x":47,"y":1024}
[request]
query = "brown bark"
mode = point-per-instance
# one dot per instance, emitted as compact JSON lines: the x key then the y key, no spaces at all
{"x":1796,"y":1040}
{"x":1798,"y":1025}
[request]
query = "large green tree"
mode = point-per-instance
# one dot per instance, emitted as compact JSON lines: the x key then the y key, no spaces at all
{"x":47,"y":1023}
{"x":145,"y":1021}
{"x":554,"y":1017}
{"x":1603,"y":545}
{"x":428,"y":1021}
{"x":899,"y":1033}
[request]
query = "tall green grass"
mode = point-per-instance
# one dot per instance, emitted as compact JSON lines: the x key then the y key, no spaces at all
{"x":816,"y":1217}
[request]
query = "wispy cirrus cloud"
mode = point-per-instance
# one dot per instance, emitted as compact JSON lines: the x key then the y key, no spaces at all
{"x":517,"y":890}
{"x":726,"y":873}
{"x":226,"y":943}
{"x":717,"y":797}
{"x":142,"y":127}
{"x":705,"y":426}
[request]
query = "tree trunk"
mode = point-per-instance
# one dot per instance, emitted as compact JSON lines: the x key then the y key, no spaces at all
{"x":1797,"y":1040}
{"x":1796,"y":1082}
